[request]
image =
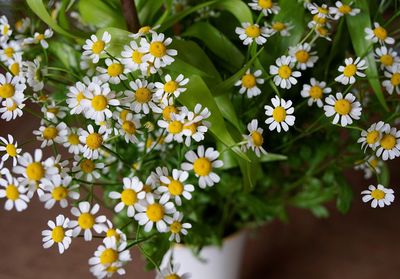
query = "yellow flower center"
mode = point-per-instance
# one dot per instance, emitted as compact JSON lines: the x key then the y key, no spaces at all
{"x":350,"y":70}
{"x":155,"y":212}
{"x":99,"y":102}
{"x":253,"y":31}
{"x":124,"y":114}
{"x":170,"y":86}
{"x":8,"y":51}
{"x":108,"y":256}
{"x":176,"y":227}
{"x":265,"y":4}
{"x":316,"y":92}
{"x":192,"y":127}
{"x":157,"y":49}
{"x":167,"y":112}
{"x":59,"y":193}
{"x":344,"y":9}
{"x":94,"y":141}
{"x":284,"y":71}
{"x":388,"y":142}
{"x":257,"y":138}
{"x":7,"y":90}
{"x":12,"y":107}
{"x":378,"y":194}
{"x":319,"y":19}
{"x":172,"y":276}
{"x":147,"y":188}
{"x":73,"y":139}
{"x":395,"y":80}
{"x":18,"y":24}
{"x":386,"y":60}
{"x":87,"y":165}
{"x":343,"y":107}
{"x":380,"y":33}
{"x":374,"y":163}
{"x":14,"y":69}
{"x":11,"y":150}
{"x":115,"y":69}
{"x":50,"y":133}
{"x":137,"y":57}
{"x":143,"y":95}
{"x":128,"y":197}
{"x":202,"y":166}
{"x":279,"y":114}
{"x":58,"y":234}
{"x":323,"y":11}
{"x":175,"y":187}
{"x":175,"y":127}
{"x":6,"y":28}
{"x":35,"y":171}
{"x":322,"y":31}
{"x":302,"y":56}
{"x":53,"y":110}
{"x":372,"y":137}
{"x":113,"y":232}
{"x":79,"y":97}
{"x":98,"y":46}
{"x":86,"y":221}
{"x":129,"y":127}
{"x":40,"y":37}
{"x":278,"y":26}
{"x":12,"y":192}
{"x":248,"y":81}
{"x":145,"y":29}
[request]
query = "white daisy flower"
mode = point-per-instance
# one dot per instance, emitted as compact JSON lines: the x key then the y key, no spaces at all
{"x":13,"y":192}
{"x":53,"y":111}
{"x":303,"y":56}
{"x":252,"y":32}
{"x":34,"y":74}
{"x":143,"y":97}
{"x":170,"y":88}
{"x":130,"y":196}
{"x":55,"y":162}
{"x":87,"y":169}
{"x":372,"y":136}
{"x":157,"y":51}
{"x":128,"y":127}
{"x":321,"y":11}
{"x":114,"y":73}
{"x":350,"y":70}
{"x":110,"y":231}
{"x":51,"y":134}
{"x":379,"y":195}
{"x":40,"y":38}
{"x":10,"y":149}
{"x":265,"y":6}
{"x":174,"y":187}
{"x":58,"y":233}
{"x":143,"y":31}
{"x":58,"y":189}
{"x":172,"y":272}
{"x":195,"y":125}
{"x":5,"y":29}
{"x":389,"y":144}
{"x":342,"y":10}
{"x":16,"y":65}
{"x":152,"y":211}
{"x":86,"y":220}
{"x":8,"y":50}
{"x":392,"y":84}
{"x":23,"y":24}
{"x":248,"y":83}
{"x":11,"y":109}
{"x":176,"y":227}
{"x":132,"y":58}
{"x":11,"y":87}
{"x":109,"y":258}
{"x":280,"y":116}
{"x":282,"y":28}
{"x":386,"y":57}
{"x":75,"y":96}
{"x":378,"y":34}
{"x":254,"y":140}
{"x":92,"y":141}
{"x":71,"y":141}
{"x":156,"y":176}
{"x":315,"y":92}
{"x":203,"y":164}
{"x":174,"y":127}
{"x":370,"y":166}
{"x":86,"y":64}
{"x":94,"y":47}
{"x":323,"y":32}
{"x":345,"y":109}
{"x":283,"y":73}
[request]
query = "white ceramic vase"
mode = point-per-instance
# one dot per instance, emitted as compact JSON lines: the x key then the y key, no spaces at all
{"x":213,"y":262}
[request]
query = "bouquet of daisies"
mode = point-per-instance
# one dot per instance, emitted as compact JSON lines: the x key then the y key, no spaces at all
{"x":162,"y":122}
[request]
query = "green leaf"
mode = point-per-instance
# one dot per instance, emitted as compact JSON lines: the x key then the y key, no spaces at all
{"x":345,"y":196}
{"x":271,"y":157}
{"x":99,"y":14}
{"x":237,"y":8}
{"x":384,"y":176}
{"x":65,"y":53}
{"x":356,"y":25}
{"x":119,"y":38}
{"x":217,"y":43}
{"x":148,"y":10}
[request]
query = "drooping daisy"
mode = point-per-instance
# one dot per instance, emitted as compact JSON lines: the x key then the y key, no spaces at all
{"x":130,"y":196}
{"x":176,"y":227}
{"x":144,"y":30}
{"x":40,"y":38}
{"x":114,"y":73}
{"x":58,"y":233}
{"x":171,"y":272}
{"x":94,"y":47}
{"x":156,"y":176}
{"x":92,"y":141}
{"x":10,"y":149}
{"x":265,"y":6}
{"x":195,"y":125}
{"x":350,"y":70}
{"x":282,"y":28}
{"x":5,"y":29}
{"x":303,"y":56}
{"x":133,"y":58}
{"x":252,"y":32}
{"x":386,"y":57}
{"x":315,"y":92}
{"x":283,"y":73}
{"x":203,"y":164}
{"x":345,"y":109}
{"x":393,"y":82}
{"x":109,"y":258}
{"x":158,"y":212}
{"x":86,"y":220}
{"x":11,"y":109}
{"x":248,"y":83}
{"x":372,"y":136}
{"x":379,"y":195}
{"x":370,"y":166}
{"x":34,"y":74}
{"x":58,"y":189}
{"x":128,"y":127}
{"x":280,"y":116}
{"x":51,"y":134}
{"x":157,"y":51}
{"x":23,"y":24}
{"x":170,"y":88}
{"x":254,"y":140}
{"x":174,"y":127}
{"x":87,"y":169}
{"x":342,"y":9}
{"x":13,"y":191}
{"x":15,"y":67}
{"x":174,"y":187}
{"x":54,"y":112}
{"x":389,"y":144}
{"x":11,"y":87}
{"x":378,"y":34}
{"x":143,"y":97}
